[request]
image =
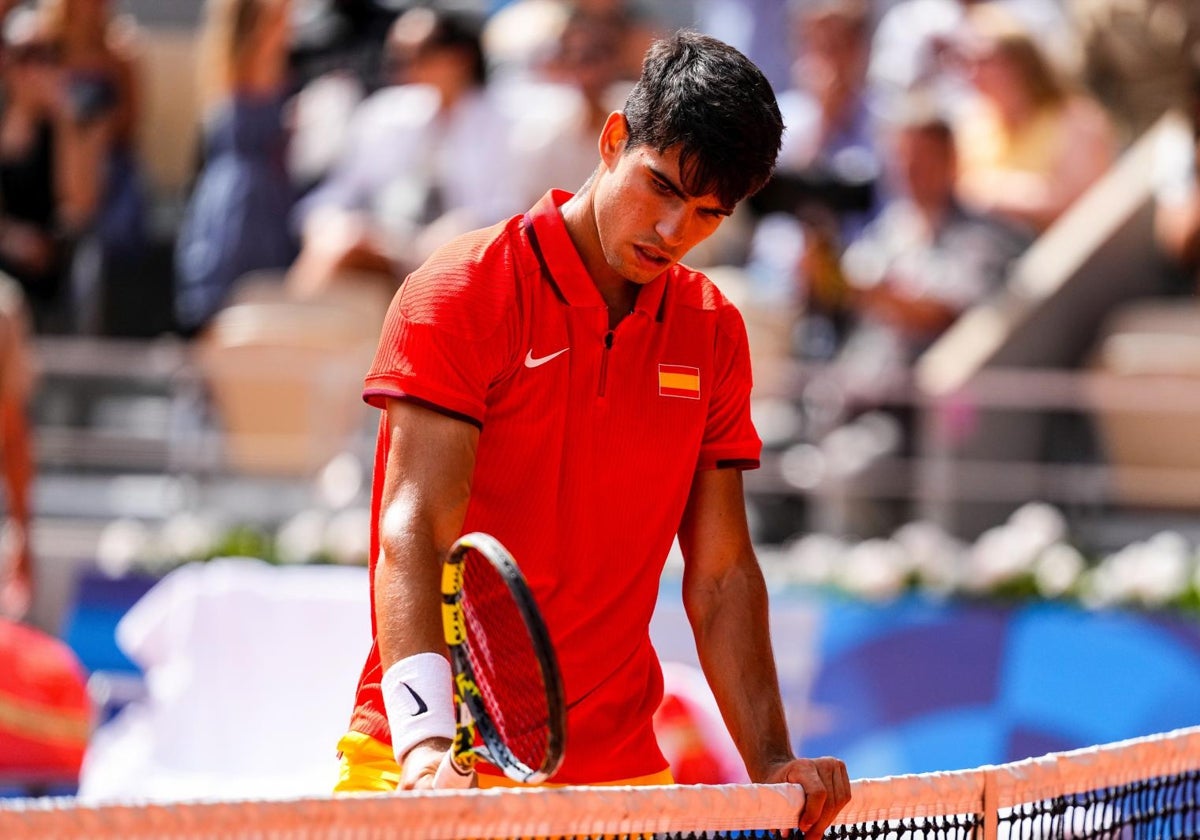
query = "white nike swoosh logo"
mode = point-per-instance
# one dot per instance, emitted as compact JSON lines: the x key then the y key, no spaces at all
{"x":531,"y":362}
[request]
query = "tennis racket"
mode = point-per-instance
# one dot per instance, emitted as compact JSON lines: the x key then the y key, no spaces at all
{"x":507,"y":687}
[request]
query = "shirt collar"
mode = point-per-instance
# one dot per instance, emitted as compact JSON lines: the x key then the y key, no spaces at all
{"x":566,"y":268}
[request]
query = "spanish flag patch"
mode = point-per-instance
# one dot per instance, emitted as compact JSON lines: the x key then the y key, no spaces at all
{"x":679,"y":381}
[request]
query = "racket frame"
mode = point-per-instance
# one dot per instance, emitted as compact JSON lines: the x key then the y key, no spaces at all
{"x":473,"y":715}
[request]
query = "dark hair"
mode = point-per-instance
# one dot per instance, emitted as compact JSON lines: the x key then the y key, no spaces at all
{"x":706,"y":97}
{"x":920,"y":110}
{"x":428,"y":28}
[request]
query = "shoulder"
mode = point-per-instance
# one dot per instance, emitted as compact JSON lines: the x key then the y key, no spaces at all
{"x":696,"y":291}
{"x":467,"y":286}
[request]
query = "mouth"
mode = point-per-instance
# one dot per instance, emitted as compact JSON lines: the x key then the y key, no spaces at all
{"x":651,"y":257}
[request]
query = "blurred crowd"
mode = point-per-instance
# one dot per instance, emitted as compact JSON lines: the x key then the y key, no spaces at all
{"x":929,"y":143}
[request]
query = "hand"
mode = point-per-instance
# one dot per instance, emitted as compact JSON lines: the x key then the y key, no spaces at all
{"x":421,"y":763}
{"x":826,"y":790}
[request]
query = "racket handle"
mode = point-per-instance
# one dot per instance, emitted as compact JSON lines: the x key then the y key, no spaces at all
{"x":450,"y":777}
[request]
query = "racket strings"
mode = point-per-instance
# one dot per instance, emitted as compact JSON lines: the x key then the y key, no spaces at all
{"x":505,"y":662}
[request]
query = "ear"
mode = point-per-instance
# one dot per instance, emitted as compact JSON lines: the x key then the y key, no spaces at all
{"x":612,"y":138}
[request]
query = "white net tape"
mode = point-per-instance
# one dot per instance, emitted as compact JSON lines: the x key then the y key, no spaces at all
{"x":597,"y":812}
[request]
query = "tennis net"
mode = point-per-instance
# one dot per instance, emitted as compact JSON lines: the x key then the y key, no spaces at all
{"x":1142,"y":788}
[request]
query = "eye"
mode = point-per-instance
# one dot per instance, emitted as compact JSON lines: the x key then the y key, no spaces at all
{"x":662,"y":187}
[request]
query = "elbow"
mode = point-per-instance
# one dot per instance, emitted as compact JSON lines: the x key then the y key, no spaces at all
{"x":413,"y":525}
{"x":705,"y":596}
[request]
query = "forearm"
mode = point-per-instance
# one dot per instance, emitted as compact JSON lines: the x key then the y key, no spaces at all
{"x":427,"y":485}
{"x":917,"y":316}
{"x":426,"y":489}
{"x":18,"y":464}
{"x":408,"y":590}
{"x":729,"y":619}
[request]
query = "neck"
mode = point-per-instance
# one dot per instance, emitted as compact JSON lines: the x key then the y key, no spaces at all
{"x":579,"y":215}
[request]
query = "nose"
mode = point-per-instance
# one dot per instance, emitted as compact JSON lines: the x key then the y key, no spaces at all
{"x":672,"y":225}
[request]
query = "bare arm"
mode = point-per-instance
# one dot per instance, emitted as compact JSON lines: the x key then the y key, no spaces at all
{"x":425,"y":492}
{"x":17,"y":455}
{"x":79,"y":164}
{"x":16,"y":569}
{"x":922,"y":317}
{"x":726,"y":602}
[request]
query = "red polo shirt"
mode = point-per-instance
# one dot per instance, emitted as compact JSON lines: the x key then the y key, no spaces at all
{"x":589,"y":442}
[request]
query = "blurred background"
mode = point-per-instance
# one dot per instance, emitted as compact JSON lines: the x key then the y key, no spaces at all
{"x":970,"y":291}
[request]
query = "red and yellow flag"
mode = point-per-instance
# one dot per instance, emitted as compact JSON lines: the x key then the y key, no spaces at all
{"x":679,"y":381}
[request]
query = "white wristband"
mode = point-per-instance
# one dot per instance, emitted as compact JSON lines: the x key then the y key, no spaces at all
{"x":418,"y":694}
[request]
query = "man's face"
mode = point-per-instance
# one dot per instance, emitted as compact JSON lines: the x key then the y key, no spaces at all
{"x":927,"y":167}
{"x":645,"y":218}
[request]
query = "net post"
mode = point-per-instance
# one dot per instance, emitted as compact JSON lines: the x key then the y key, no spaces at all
{"x":991,"y":803}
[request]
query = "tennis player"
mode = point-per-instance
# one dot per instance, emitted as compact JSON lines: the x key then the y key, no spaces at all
{"x":560,"y":381}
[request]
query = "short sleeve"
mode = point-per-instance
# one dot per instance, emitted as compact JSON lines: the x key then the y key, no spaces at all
{"x":446,"y":339}
{"x":730,"y":439}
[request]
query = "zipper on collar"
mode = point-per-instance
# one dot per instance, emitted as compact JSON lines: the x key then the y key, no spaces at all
{"x":608,"y":343}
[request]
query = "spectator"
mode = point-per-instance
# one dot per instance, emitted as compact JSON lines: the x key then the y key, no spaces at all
{"x":16,"y":453}
{"x":1177,"y":197}
{"x":1029,"y":145}
{"x":637,"y":21}
{"x":921,"y":263}
{"x":426,"y":158}
{"x":831,"y":132}
{"x":521,"y":35}
{"x":101,"y":201}
{"x":29,"y":249}
{"x":237,"y":217}
{"x":556,"y":140}
{"x":914,"y":38}
{"x":759,"y":28}
{"x":1136,"y":56}
{"x":828,"y":167}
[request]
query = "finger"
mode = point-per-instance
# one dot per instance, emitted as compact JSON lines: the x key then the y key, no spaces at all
{"x":450,"y":776}
{"x":814,"y":805}
{"x":418,"y":771}
{"x":843,"y":791}
{"x":423,"y":782}
{"x":837,"y":786}
{"x":817,"y":830}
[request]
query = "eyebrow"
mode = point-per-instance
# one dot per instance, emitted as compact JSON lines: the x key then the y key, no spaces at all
{"x":679,"y":191}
